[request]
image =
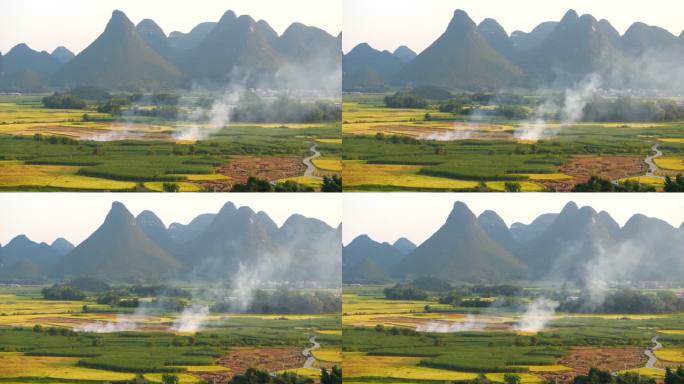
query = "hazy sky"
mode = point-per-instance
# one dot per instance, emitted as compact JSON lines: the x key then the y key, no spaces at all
{"x":47,"y":24}
{"x":416,"y":216}
{"x":46,"y":216}
{"x":387,"y":24}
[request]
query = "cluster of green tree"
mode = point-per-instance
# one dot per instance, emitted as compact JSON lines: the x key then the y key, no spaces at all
{"x":626,"y":301}
{"x":333,"y":376}
{"x":63,"y":101}
{"x":674,"y":185}
{"x":286,"y":110}
{"x":453,"y":298}
{"x":396,"y":139}
{"x":488,"y":290}
{"x":88,"y":284}
{"x":508,"y":378}
{"x":52,"y":139}
{"x":115,"y":299}
{"x":599,"y":184}
{"x":62,"y":292}
{"x":87,"y":92}
{"x":162,"y":111}
{"x":114,"y":105}
{"x":287,"y":301}
{"x":597,"y":376}
{"x":405,"y":292}
{"x":254,"y":184}
{"x":332,"y":184}
{"x":674,"y":376}
{"x":395,"y":331}
{"x":629,"y":109}
{"x":405,"y":100}
{"x":53,"y":331}
{"x":255,"y":376}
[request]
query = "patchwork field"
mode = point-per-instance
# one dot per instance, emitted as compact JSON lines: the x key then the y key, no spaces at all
{"x":402,"y":340}
{"x":45,"y":340}
{"x":425,"y":149}
{"x":75,"y":150}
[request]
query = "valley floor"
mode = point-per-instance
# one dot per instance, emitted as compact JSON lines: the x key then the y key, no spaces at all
{"x":423,"y":149}
{"x":411,"y":341}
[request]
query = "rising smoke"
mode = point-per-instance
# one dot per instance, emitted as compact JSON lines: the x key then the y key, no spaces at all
{"x":470,"y":323}
{"x":537,"y":315}
{"x":569,"y":110}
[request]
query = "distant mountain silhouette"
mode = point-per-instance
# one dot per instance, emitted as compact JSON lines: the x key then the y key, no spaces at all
{"x":212,"y":247}
{"x":235,"y":48}
{"x":119,"y":58}
{"x":569,"y":245}
{"x":555,"y":53}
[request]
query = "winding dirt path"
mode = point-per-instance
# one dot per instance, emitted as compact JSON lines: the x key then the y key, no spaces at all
{"x":310,"y":168}
{"x":310,"y":359}
{"x":650,"y":353}
{"x":652,"y":167}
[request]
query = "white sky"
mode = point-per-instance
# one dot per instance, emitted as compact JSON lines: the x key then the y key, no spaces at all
{"x":74,"y":216}
{"x":387,"y":24}
{"x":47,"y":24}
{"x":416,"y":216}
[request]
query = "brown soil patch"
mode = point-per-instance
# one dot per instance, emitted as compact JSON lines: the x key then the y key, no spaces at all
{"x":607,"y":359}
{"x":268,"y":359}
{"x":581,"y":168}
{"x":240,"y":168}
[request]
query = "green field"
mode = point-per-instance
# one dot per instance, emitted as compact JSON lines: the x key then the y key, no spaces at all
{"x":397,"y":149}
{"x":41,"y":342}
{"x":53,"y":149}
{"x":381,"y":341}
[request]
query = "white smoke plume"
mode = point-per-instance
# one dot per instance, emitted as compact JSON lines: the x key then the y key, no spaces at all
{"x":570,"y":111}
{"x":471,"y":323}
{"x":218,"y":116}
{"x":536,"y":316}
{"x":450,"y":135}
{"x":191,"y":319}
{"x":124,"y":325}
{"x":617,"y":263}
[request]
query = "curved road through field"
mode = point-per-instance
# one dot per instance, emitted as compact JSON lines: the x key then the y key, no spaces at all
{"x":310,"y":359}
{"x":310,"y":168}
{"x":652,"y":167}
{"x":652,"y":359}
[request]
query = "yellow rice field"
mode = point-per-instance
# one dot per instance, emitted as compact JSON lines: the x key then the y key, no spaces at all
{"x":329,"y":141}
{"x":17,"y":175}
{"x":670,"y":355}
{"x":357,"y":174}
{"x":328,"y":355}
{"x":670,"y":163}
{"x":157,"y":186}
{"x":525,"y":186}
{"x":183,"y":378}
{"x":15,"y":365}
{"x":310,"y":373}
{"x":305,"y":181}
{"x":331,"y":165}
{"x":653,"y":373}
{"x":358,"y":365}
{"x":334,"y":332}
